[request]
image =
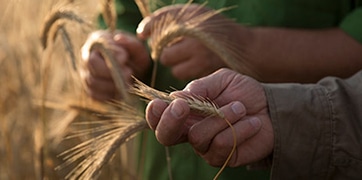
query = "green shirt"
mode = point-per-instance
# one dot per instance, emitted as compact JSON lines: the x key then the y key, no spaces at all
{"x":311,"y":14}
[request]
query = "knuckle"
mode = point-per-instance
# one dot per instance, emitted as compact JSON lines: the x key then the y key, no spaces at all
{"x":220,"y":143}
{"x":194,"y":139}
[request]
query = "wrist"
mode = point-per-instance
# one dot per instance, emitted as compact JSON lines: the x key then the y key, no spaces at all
{"x":245,"y":42}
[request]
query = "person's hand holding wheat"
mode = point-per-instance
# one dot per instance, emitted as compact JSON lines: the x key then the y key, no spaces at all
{"x":242,"y":102}
{"x":192,"y":39}
{"x":130,"y":54}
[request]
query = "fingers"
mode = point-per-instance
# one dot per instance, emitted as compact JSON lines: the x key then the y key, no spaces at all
{"x":139,"y":59}
{"x":143,"y":30}
{"x":97,"y":74}
{"x":131,"y":44}
{"x":212,"y":138}
{"x":168,"y":121}
{"x":154,"y":111}
{"x":97,"y":66}
{"x":100,"y":89}
{"x":226,"y":90}
{"x":179,"y":51}
{"x":183,"y":12}
{"x":222,"y":144}
{"x":202,"y":133}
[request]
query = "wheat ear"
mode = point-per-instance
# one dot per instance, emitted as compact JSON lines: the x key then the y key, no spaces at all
{"x":54,"y":16}
{"x":176,"y":25}
{"x":60,"y":29}
{"x":196,"y":103}
{"x":143,"y":6}
{"x":109,"y":14}
{"x":96,"y":152}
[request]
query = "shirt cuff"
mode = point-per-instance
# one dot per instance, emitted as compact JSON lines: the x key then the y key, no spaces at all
{"x":301,"y":124}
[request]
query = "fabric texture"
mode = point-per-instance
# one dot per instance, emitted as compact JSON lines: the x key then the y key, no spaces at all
{"x":317,"y":129}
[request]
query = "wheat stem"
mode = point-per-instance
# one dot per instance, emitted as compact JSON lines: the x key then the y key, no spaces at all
{"x":231,"y":152}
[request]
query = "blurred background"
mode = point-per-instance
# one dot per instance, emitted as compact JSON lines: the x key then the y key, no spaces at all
{"x":31,"y":76}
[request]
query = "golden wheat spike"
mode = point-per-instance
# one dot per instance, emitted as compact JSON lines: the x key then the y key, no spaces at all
{"x":59,"y":28}
{"x":96,"y":152}
{"x":199,"y":25}
{"x":196,"y":103}
{"x":109,"y":14}
{"x":54,"y":16}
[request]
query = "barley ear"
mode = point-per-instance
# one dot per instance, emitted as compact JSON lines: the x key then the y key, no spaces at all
{"x":197,"y":103}
{"x":107,"y":136}
{"x":109,"y":14}
{"x":143,"y":6}
{"x":54,"y":16}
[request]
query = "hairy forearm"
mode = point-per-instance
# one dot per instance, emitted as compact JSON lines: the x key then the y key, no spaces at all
{"x":291,"y":55}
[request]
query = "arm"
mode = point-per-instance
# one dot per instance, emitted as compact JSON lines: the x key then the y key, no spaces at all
{"x":317,"y":129}
{"x":307,"y":55}
{"x":276,"y":54}
{"x":282,"y":55}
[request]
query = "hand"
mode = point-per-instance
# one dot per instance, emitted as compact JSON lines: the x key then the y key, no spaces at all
{"x":188,"y":57}
{"x":130,"y":54}
{"x":243,"y":103}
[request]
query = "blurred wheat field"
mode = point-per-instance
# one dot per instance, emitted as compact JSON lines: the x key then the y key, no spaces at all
{"x":27,"y":150}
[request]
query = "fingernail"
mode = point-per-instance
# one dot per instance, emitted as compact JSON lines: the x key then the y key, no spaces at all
{"x":177,"y":110}
{"x":142,"y":24}
{"x":255,"y":122}
{"x":237,"y":108}
{"x":119,"y":37}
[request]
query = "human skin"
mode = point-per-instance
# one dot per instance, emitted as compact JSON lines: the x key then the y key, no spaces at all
{"x":243,"y":102}
{"x":277,"y":54}
{"x":130,"y":54}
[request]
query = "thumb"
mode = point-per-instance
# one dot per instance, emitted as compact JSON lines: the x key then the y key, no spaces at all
{"x":143,"y":29}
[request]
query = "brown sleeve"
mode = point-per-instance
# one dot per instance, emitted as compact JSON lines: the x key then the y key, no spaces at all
{"x":318,"y":129}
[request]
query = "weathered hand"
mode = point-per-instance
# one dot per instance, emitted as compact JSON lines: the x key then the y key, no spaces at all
{"x":243,"y":103}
